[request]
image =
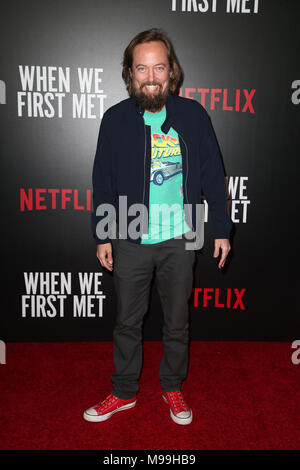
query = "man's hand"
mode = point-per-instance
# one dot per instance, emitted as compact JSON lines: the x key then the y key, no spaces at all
{"x":104,"y":255}
{"x":224,"y":245}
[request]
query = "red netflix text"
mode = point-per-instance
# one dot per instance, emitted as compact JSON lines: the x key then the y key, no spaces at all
{"x":53,"y":198}
{"x":222,"y":98}
{"x":212,"y":297}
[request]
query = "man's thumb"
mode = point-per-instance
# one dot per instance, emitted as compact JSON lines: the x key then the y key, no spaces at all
{"x":216,"y":252}
{"x":109,"y":257}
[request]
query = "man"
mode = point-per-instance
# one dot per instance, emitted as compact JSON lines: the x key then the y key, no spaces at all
{"x":157,"y":150}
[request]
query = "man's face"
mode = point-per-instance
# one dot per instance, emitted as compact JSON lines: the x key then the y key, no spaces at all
{"x":150,"y":75}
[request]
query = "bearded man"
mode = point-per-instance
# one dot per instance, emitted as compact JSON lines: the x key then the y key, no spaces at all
{"x":159,"y":152}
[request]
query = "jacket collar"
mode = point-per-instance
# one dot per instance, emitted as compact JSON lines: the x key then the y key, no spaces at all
{"x":169,"y":112}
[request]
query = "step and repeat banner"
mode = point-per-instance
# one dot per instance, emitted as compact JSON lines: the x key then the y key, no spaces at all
{"x":60,"y":71}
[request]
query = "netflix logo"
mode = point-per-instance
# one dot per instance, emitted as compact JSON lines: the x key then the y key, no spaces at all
{"x":39,"y":199}
{"x":222,"y":98}
{"x":219,"y":297}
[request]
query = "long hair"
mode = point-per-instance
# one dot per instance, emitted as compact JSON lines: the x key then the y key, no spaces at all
{"x":153,"y":34}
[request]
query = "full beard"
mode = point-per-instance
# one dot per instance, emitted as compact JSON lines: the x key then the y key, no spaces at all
{"x":152,"y":102}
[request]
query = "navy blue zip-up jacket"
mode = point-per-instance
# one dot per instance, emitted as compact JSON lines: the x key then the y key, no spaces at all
{"x":123,"y":158}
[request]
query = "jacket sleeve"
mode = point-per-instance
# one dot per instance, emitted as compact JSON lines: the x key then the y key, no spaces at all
{"x":213,"y":180}
{"x":102,"y":183}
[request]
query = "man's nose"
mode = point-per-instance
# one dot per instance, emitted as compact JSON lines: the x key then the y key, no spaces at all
{"x":150,"y":74}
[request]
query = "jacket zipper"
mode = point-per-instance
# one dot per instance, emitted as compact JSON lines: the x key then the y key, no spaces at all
{"x":145,"y":153}
{"x":186,"y":175}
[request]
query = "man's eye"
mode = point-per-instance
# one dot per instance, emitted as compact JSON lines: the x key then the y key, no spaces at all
{"x":141,"y":69}
{"x":160,"y":69}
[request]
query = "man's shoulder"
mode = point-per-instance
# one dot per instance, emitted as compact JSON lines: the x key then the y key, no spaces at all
{"x":117,"y":108}
{"x":189,"y":105}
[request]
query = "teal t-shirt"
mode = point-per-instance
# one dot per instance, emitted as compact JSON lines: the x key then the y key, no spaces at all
{"x":166,"y":213}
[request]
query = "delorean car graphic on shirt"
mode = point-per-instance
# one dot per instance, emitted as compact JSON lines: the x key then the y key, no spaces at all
{"x":161,"y":171}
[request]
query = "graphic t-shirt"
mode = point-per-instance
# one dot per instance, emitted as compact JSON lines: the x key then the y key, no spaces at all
{"x":166,"y":214}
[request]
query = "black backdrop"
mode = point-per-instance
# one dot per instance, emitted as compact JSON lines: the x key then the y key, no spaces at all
{"x":242,"y":56}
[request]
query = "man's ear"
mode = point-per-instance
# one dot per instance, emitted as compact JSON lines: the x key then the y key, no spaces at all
{"x":171,"y":74}
{"x":130,"y":72}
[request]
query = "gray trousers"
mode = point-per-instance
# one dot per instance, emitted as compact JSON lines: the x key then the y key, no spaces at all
{"x":134,"y":266}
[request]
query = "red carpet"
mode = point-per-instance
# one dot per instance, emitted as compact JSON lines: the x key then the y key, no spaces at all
{"x":244,"y":395}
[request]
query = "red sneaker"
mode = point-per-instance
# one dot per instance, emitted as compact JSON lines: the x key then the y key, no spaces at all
{"x":105,"y":409}
{"x":180,"y":412}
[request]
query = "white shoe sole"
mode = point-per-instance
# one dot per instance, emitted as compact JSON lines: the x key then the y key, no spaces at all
{"x":177,"y":419}
{"x":99,"y":418}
